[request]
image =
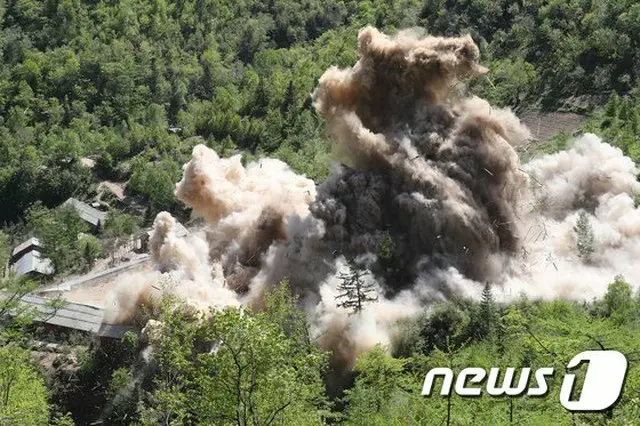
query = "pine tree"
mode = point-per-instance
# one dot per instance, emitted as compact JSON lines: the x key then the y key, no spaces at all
{"x":289,"y":98}
{"x":260,"y":100}
{"x":5,"y":253}
{"x":488,"y":312}
{"x":584,"y":237}
{"x":354,"y":291}
{"x":634,"y":122}
{"x":625,"y":110}
{"x":613,"y":106}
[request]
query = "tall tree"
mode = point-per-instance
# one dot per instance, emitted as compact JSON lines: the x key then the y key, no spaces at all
{"x":23,"y":395}
{"x":355,"y":292}
{"x":59,"y":230}
{"x":584,"y":237}
{"x":619,"y":302}
{"x":5,"y":253}
{"x":488,"y":313}
{"x":235,"y":367}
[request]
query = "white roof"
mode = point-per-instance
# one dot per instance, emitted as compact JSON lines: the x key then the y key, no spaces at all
{"x":32,"y":262}
{"x":86,"y":212}
{"x":75,"y":316}
{"x":179,"y":230}
{"x":33,"y":241}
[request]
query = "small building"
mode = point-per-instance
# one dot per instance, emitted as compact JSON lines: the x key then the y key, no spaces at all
{"x":74,"y":316}
{"x":26,"y":259}
{"x":94,"y":217}
{"x":179,"y":230}
{"x":142,"y":240}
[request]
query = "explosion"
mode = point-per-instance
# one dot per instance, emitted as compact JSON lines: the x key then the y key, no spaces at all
{"x":432,"y":201}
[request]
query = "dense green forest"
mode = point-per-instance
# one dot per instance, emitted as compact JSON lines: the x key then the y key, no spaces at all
{"x":134,"y":85}
{"x":262,"y":368}
{"x":107,"y":80}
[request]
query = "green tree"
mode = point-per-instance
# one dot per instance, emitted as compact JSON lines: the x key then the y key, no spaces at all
{"x":90,"y":248}
{"x":612,"y":109}
{"x":119,"y":228}
{"x":123,"y":394}
{"x":120,"y":224}
{"x":14,"y":315}
{"x":5,"y":253}
{"x":281,"y":308}
{"x":234,"y":367}
{"x":23,"y":395}
{"x":584,"y":237}
{"x":378,"y":378}
{"x":156,"y":182}
{"x":354,"y":292}
{"x":619,"y":302}
{"x":58,"y":231}
{"x":488,"y":313}
{"x":445,"y":325}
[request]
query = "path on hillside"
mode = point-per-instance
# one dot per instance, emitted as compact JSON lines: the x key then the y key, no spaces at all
{"x":90,"y":289}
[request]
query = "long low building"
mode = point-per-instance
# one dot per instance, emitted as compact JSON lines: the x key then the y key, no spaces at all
{"x":94,"y":217}
{"x":74,"y":316}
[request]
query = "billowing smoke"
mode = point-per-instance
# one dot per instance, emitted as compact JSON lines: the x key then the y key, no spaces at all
{"x":431,"y":200}
{"x":183,"y":268}
{"x":591,"y":176}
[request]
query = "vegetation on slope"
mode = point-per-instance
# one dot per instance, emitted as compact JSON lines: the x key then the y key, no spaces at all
{"x":136,"y":84}
{"x":243,"y":367}
{"x":108,"y":79}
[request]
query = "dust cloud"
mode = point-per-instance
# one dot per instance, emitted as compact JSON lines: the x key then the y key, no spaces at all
{"x":431,"y":201}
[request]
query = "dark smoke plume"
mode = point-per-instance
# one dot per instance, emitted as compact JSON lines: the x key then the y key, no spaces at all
{"x":431,"y":200}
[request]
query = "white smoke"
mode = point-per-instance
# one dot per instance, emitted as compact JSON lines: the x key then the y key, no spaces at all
{"x":590,"y":175}
{"x":438,"y":178}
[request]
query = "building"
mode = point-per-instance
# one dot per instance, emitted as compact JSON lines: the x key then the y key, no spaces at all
{"x":26,"y":259}
{"x":74,"y":316}
{"x":142,"y":240}
{"x":179,"y":230}
{"x":94,"y":217}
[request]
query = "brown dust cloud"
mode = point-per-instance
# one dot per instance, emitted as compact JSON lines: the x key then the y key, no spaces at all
{"x":429,"y":178}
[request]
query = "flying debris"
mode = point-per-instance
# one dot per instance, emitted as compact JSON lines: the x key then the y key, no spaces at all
{"x":435,"y":176}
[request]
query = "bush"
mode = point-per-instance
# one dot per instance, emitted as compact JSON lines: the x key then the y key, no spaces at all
{"x":90,"y":248}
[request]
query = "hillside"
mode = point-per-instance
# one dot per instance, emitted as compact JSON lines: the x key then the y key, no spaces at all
{"x":362,"y":197}
{"x":108,"y":80}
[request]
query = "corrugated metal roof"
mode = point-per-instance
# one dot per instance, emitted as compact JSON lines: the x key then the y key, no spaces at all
{"x":32,"y":262}
{"x":33,"y":241}
{"x":75,"y":316}
{"x":86,"y":212}
{"x":179,"y":230}
{"x":115,"y":331}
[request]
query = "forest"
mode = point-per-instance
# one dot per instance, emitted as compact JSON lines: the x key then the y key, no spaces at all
{"x":134,"y":85}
